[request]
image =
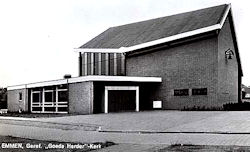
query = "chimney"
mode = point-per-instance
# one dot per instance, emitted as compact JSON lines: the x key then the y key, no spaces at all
{"x":67,"y":76}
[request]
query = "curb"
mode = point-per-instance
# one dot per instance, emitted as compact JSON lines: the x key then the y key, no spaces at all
{"x":173,"y":132}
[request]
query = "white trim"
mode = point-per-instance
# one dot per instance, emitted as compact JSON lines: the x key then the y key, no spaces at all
{"x":137,"y":99}
{"x":172,"y":38}
{"x":114,"y":78}
{"x":155,"y":42}
{"x":39,"y":104}
{"x":225,"y":15}
{"x":97,"y":50}
{"x":31,"y":101}
{"x":47,"y":83}
{"x":43,"y":100}
{"x":25,"y":99}
{"x":163,"y":40}
{"x":108,"y":88}
{"x":106,"y":101}
{"x":88,"y":78}
{"x":56,"y":99}
{"x":16,"y":87}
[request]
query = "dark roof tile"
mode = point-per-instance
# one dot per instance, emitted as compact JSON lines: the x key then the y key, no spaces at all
{"x":154,"y":29}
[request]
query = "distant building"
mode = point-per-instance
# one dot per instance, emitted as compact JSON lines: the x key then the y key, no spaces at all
{"x":174,"y":62}
{"x":245,"y":93}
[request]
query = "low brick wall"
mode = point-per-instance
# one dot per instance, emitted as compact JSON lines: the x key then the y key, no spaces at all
{"x":81,"y":98}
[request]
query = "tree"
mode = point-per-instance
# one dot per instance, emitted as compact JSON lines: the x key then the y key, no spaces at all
{"x":3,"y":98}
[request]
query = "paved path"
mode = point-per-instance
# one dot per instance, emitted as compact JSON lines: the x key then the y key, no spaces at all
{"x":133,"y":138}
{"x":156,"y":121}
{"x":164,"y":121}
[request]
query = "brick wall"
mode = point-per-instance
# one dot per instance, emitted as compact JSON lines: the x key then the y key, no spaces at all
{"x":187,"y":66}
{"x":13,"y":100}
{"x":228,"y":68}
{"x":81,"y":98}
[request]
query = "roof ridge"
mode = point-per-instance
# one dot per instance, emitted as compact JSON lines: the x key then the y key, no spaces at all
{"x":180,"y":13}
{"x":136,"y":33}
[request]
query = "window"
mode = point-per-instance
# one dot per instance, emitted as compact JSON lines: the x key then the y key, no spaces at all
{"x":20,"y":96}
{"x":51,"y":99}
{"x":62,"y":96}
{"x":48,"y":96}
{"x":36,"y":97}
{"x":199,"y":91}
{"x":181,"y":92}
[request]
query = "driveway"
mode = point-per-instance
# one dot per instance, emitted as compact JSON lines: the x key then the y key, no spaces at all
{"x":164,"y":121}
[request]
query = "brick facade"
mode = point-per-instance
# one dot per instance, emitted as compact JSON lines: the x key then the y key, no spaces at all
{"x":190,"y":65}
{"x":81,"y":98}
{"x":14,"y":104}
{"x":228,"y":72}
{"x":189,"y":58}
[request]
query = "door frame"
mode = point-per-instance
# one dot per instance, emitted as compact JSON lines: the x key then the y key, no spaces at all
{"x":107,"y":88}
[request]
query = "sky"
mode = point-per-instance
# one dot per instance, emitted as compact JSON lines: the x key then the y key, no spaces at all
{"x":38,"y":37}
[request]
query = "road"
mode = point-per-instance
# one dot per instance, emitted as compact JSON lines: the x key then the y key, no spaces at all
{"x":235,"y":124}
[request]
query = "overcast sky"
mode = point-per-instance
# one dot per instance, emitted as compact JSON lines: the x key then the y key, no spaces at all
{"x":37,"y":37}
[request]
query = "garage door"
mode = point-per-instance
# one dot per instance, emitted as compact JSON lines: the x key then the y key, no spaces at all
{"x":122,"y":100}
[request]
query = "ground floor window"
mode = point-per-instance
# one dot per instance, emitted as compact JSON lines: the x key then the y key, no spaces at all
{"x":199,"y":91}
{"x":53,"y":99}
{"x":20,"y":96}
{"x":181,"y":92}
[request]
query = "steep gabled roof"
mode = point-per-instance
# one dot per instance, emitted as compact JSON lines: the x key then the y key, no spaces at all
{"x":151,"y":30}
{"x":135,"y":36}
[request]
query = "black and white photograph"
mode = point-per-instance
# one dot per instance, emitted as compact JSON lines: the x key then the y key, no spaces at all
{"x":124,"y":75}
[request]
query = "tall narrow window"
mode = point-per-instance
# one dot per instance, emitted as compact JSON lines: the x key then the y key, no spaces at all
{"x":20,"y":96}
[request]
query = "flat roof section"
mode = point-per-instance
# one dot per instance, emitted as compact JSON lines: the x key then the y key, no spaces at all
{"x":85,"y":79}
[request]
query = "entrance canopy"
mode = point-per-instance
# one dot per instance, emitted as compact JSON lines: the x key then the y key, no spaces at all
{"x":86,"y":78}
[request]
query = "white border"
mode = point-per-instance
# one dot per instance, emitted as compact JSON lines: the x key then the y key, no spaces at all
{"x":107,"y":88}
{"x":87,"y":78}
{"x":97,"y":50}
{"x":115,"y":78}
{"x":160,"y":41}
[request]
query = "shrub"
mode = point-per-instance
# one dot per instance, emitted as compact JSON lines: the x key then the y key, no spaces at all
{"x":203,"y":108}
{"x":237,"y":106}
